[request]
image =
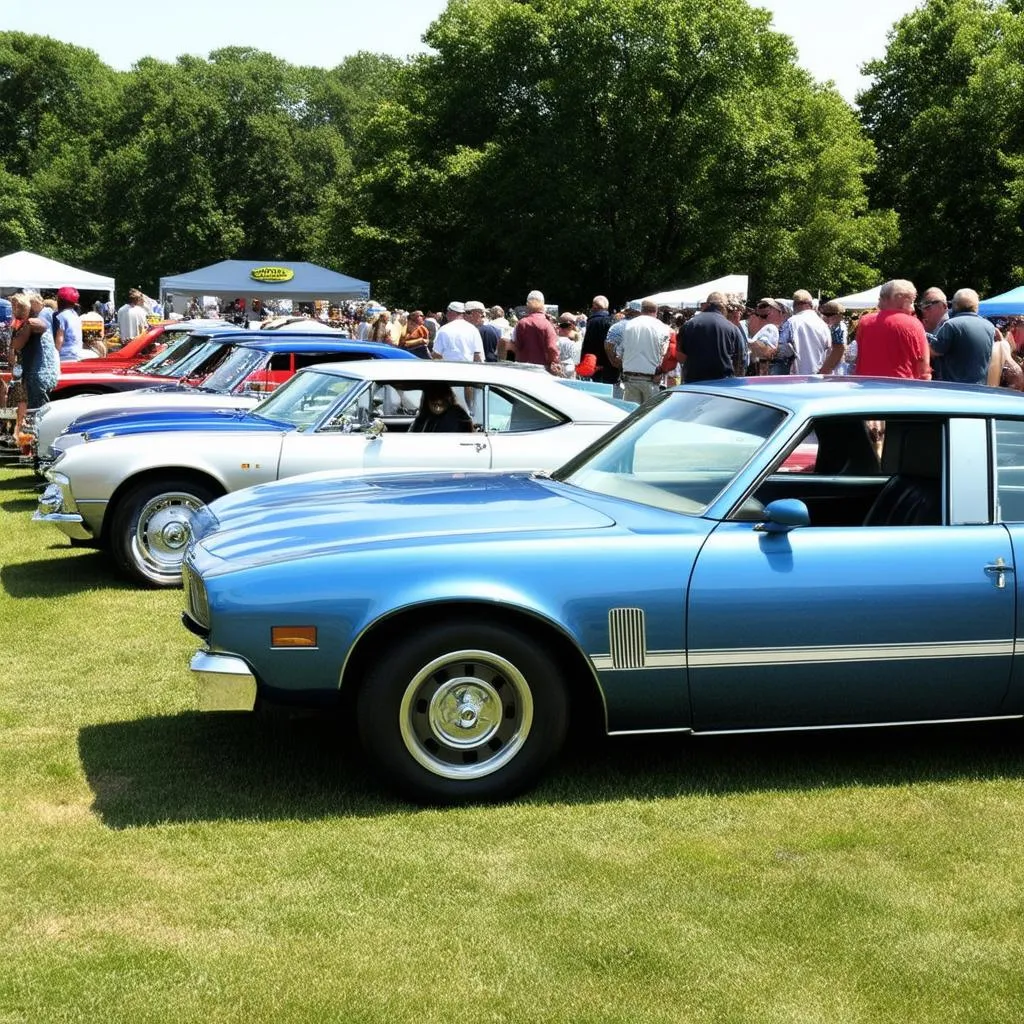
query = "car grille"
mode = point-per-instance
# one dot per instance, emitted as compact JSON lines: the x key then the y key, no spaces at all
{"x":195,"y":597}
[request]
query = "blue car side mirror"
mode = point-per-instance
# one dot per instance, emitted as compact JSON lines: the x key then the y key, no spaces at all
{"x":784,"y":515}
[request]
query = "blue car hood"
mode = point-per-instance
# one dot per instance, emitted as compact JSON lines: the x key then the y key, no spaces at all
{"x":147,"y":421}
{"x":306,"y":518}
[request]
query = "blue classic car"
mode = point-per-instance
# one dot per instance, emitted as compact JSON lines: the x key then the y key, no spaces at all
{"x":686,"y":573}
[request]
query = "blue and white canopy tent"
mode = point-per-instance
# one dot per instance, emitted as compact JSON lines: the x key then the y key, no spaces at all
{"x":1010,"y":303}
{"x":262,"y":279}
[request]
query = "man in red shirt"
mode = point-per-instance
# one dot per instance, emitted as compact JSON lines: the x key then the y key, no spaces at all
{"x":892,"y":342}
{"x":534,"y":339}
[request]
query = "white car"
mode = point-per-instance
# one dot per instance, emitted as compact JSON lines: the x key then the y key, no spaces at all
{"x":136,"y":491}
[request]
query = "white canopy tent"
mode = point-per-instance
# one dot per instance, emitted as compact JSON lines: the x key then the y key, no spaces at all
{"x":28,"y":270}
{"x":692,"y":297}
{"x":861,"y":300}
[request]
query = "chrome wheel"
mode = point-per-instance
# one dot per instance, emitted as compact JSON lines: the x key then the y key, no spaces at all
{"x":466,"y":714}
{"x":162,"y":531}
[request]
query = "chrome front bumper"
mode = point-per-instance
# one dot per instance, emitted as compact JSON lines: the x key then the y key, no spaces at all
{"x":57,"y":507}
{"x":223,"y":682}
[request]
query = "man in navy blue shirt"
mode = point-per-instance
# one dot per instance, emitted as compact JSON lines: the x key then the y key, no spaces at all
{"x":712,"y":345}
{"x":963,"y":344}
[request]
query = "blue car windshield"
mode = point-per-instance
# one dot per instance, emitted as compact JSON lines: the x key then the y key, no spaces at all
{"x":303,"y":400}
{"x":679,"y":454}
{"x":239,"y":364}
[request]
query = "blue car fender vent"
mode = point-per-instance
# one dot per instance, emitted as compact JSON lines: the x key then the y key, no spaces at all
{"x":627,"y":637}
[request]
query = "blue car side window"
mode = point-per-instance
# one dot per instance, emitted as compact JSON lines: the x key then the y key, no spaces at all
{"x":1010,"y":470}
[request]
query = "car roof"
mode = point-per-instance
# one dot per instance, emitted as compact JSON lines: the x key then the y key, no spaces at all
{"x":533,"y":380}
{"x":816,"y":396}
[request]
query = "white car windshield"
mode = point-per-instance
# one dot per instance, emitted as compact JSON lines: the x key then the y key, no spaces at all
{"x":304,"y":399}
{"x":679,"y":455}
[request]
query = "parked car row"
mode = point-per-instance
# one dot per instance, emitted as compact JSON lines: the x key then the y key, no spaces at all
{"x":741,"y":556}
{"x":131,"y":478}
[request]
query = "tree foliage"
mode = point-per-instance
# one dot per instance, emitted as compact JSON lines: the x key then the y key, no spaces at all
{"x":946,"y":111}
{"x":577,"y":145}
{"x":589,"y":145}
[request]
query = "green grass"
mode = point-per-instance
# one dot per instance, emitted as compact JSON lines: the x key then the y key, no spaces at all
{"x":157,"y":864}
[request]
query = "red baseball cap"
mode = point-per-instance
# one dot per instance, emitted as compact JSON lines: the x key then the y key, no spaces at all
{"x":67,"y":294}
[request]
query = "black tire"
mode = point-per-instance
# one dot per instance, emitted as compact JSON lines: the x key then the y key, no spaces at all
{"x":150,"y":528}
{"x":426,"y":713}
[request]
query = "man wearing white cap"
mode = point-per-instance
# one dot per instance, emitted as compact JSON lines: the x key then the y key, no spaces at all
{"x":534,"y":339}
{"x":458,"y":340}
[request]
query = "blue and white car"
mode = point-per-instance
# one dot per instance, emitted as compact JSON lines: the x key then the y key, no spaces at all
{"x":684,"y":574}
{"x":134,"y":486}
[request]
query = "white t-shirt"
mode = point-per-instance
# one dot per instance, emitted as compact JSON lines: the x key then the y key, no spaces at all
{"x":131,"y":322}
{"x":811,"y":340}
{"x":457,"y":341}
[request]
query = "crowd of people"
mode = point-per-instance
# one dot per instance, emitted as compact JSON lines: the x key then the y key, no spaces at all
{"x":643,"y":347}
{"x":38,"y":335}
{"x":639,"y":349}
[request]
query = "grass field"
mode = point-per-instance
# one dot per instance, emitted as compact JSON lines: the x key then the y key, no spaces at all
{"x":161,"y":865}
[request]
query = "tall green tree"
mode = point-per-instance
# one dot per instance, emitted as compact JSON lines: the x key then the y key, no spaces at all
{"x":56,"y":103}
{"x":946,"y":112}
{"x":20,"y":226}
{"x":217,"y":158}
{"x":611,"y":145}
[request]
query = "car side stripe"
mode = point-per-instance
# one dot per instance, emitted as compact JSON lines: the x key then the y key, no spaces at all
{"x":754,"y":656}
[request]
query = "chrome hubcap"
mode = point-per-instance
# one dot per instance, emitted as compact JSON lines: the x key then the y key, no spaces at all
{"x":466,"y":714}
{"x":165,"y":526}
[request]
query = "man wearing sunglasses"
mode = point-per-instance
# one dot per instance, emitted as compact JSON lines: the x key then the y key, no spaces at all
{"x":934,"y":309}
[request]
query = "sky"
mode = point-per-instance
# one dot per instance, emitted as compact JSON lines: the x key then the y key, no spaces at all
{"x":834,"y":37}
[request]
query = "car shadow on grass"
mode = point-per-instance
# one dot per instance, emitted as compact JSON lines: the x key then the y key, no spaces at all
{"x":664,"y":766}
{"x":196,"y":766}
{"x":17,"y":505}
{"x":26,"y":480}
{"x":87,"y":569}
{"x":200,"y":767}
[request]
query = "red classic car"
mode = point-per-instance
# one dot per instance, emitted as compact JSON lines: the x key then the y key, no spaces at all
{"x":152,"y":341}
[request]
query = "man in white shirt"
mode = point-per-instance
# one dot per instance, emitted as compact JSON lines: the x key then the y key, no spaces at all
{"x":131,"y":317}
{"x":458,"y":340}
{"x":643,"y":344}
{"x":809,"y":336}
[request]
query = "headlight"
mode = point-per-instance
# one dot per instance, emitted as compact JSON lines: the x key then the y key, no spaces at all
{"x":203,"y":522}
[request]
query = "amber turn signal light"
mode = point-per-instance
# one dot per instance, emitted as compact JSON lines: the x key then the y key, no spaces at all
{"x":293,"y":636}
